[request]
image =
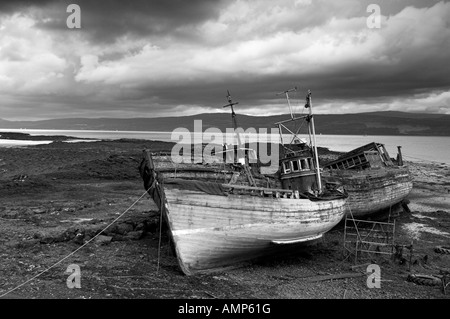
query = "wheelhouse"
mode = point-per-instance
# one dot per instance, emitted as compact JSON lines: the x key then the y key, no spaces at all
{"x":298,"y":172}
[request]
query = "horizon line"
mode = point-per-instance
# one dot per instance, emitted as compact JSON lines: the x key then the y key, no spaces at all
{"x":198,"y":114}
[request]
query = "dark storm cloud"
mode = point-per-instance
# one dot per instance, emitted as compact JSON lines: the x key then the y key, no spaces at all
{"x":105,"y":20}
{"x":181,"y":57}
{"x":10,"y":6}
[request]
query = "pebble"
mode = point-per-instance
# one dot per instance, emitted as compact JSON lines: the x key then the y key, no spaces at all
{"x":39,"y":210}
{"x":79,"y":238}
{"x":103,"y":240}
{"x":124,"y":228}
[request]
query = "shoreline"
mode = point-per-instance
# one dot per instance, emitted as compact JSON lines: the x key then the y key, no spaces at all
{"x":330,"y":142}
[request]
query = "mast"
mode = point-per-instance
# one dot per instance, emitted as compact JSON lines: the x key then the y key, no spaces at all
{"x":311,"y":124}
{"x":240,"y":148}
{"x":281,"y":125}
{"x":311,"y":132}
{"x":233,"y":116}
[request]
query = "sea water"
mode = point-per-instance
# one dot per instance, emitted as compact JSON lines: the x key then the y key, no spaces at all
{"x":414,"y":148}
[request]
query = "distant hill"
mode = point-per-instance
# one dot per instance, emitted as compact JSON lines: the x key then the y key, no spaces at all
{"x":373,"y":123}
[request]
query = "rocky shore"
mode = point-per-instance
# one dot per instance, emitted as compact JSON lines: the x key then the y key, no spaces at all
{"x":57,"y":198}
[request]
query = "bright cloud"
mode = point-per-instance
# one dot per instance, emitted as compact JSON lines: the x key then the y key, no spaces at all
{"x":27,"y":61}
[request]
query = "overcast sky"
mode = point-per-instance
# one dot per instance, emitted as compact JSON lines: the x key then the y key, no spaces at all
{"x":149,"y":58}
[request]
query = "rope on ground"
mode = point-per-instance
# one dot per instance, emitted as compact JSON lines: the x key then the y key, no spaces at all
{"x":76,"y":250}
{"x":162,"y":197}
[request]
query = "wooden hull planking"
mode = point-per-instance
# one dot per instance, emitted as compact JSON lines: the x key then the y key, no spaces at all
{"x":373,"y":191}
{"x":213,"y":232}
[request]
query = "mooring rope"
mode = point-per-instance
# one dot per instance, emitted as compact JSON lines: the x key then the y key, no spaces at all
{"x":76,"y":250}
{"x":162,"y":199}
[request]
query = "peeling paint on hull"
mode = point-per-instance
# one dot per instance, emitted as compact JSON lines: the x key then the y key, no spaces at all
{"x":212,"y":232}
{"x":373,"y":190}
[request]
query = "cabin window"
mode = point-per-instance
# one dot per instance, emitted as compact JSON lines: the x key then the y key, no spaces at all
{"x":295,"y":166}
{"x":305,"y":165}
{"x":286,"y":167}
{"x":310,"y":162}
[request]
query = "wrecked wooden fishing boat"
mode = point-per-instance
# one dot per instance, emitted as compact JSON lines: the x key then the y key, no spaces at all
{"x":375,"y":182}
{"x":223,"y":214}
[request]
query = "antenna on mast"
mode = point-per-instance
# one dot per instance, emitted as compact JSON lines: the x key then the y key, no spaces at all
{"x":230,"y":104}
{"x":287,"y":98}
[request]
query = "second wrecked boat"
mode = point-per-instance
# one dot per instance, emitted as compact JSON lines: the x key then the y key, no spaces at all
{"x":375,"y":183}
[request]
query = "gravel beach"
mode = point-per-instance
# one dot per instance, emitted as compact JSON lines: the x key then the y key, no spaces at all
{"x":55,"y":198}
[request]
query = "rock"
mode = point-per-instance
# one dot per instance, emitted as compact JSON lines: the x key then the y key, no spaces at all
{"x":28,"y":243}
{"x":94,"y":221}
{"x":65,"y":236}
{"x":36,"y":219}
{"x":124,"y":228}
{"x":12,"y":244}
{"x":79,"y":238}
{"x":39,"y":210}
{"x":37,"y":235}
{"x":140,"y":226}
{"x":11,"y":215}
{"x":135,"y":235}
{"x":111,"y":230}
{"x":91,"y":232}
{"x":70,"y":233}
{"x":103,"y":240}
{"x":117,"y":237}
{"x":46,"y":239}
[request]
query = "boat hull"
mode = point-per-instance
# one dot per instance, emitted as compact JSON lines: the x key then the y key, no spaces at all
{"x":372,"y":191}
{"x":212,"y":232}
